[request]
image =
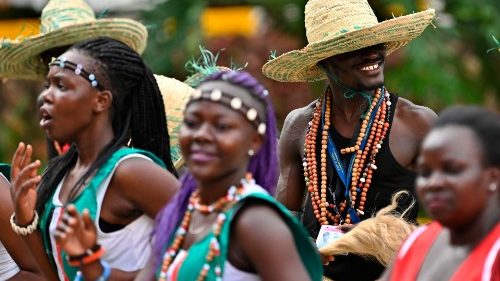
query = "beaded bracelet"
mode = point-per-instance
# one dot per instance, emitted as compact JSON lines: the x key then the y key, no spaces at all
{"x":91,"y":255}
{"x":24,"y":230}
{"x":106,"y":272}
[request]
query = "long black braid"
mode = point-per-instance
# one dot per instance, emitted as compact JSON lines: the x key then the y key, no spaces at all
{"x":138,"y":113}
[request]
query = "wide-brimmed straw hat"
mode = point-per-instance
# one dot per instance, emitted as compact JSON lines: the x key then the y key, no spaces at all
{"x":64,"y":23}
{"x":339,"y":26}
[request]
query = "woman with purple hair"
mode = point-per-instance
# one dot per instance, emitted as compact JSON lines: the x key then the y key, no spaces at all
{"x":223,"y":224}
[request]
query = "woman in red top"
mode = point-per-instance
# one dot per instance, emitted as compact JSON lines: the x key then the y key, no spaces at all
{"x":458,"y":184}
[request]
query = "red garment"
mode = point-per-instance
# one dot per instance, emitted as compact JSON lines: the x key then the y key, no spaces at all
{"x":482,"y":264}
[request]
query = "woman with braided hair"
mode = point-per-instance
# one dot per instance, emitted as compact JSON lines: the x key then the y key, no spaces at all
{"x":102,"y":98}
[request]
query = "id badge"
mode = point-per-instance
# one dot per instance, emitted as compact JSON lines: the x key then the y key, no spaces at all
{"x":328,"y":234}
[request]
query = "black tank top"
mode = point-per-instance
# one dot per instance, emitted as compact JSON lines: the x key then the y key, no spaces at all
{"x":389,"y":178}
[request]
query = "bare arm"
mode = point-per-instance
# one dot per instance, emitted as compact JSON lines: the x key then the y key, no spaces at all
{"x":419,"y":120}
{"x":13,"y":242}
{"x":144,"y":184}
{"x":291,"y":184}
{"x":267,"y":243}
{"x":36,"y":248}
{"x":25,"y":179}
{"x":147,"y":273}
{"x":411,"y":124}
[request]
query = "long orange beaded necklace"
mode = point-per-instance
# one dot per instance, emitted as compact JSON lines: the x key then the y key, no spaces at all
{"x":222,"y":204}
{"x":371,"y":134}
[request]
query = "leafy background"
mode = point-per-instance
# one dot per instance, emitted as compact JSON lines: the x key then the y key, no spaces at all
{"x":447,"y":65}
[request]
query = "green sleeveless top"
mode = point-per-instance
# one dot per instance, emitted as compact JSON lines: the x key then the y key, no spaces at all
{"x":5,"y":170}
{"x":196,"y":254}
{"x":87,"y":199}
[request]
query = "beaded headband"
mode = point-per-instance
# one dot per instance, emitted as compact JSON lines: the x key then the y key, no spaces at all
{"x":234,"y":103}
{"x":62,"y":62}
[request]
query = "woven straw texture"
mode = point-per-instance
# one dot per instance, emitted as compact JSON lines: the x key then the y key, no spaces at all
{"x":175,"y":97}
{"x":64,"y":23}
{"x":339,"y":26}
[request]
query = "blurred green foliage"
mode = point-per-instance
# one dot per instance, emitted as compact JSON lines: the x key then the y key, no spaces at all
{"x":448,"y":64}
{"x":19,"y":119}
{"x":174,"y":35}
{"x":175,"y":31}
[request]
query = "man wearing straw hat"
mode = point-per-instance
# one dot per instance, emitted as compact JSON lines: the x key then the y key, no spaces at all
{"x":344,"y":155}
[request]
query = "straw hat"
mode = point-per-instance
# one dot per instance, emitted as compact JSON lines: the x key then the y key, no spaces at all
{"x":175,"y":97}
{"x":64,"y":23}
{"x":339,"y":26}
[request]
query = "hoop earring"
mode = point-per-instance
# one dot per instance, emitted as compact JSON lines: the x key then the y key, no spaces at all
{"x":492,"y":187}
{"x":251,"y":152}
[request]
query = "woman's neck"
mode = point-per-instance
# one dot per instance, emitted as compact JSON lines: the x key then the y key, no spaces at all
{"x":474,"y":232}
{"x":90,"y":144}
{"x":211,"y":190}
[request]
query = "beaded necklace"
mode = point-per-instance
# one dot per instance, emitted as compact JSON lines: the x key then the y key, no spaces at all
{"x":233,"y":196}
{"x":368,"y":143}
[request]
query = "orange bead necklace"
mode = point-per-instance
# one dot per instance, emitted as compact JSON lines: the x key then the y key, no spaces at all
{"x":371,"y":134}
{"x":222,"y":204}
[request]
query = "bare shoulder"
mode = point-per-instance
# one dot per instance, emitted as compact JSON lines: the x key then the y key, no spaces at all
{"x":259,"y":220}
{"x":417,"y":118}
{"x":139,"y":171}
{"x":133,"y":166}
{"x":298,"y":118}
{"x":410,"y":111}
{"x":296,"y":122}
{"x":143,"y":184}
{"x":265,"y":239}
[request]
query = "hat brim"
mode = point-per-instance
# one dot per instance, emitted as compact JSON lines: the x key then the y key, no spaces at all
{"x":301,"y":65}
{"x":21,"y":58}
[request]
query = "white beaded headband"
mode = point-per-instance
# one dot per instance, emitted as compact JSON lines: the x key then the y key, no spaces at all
{"x":62,"y":62}
{"x":235,"y":103}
